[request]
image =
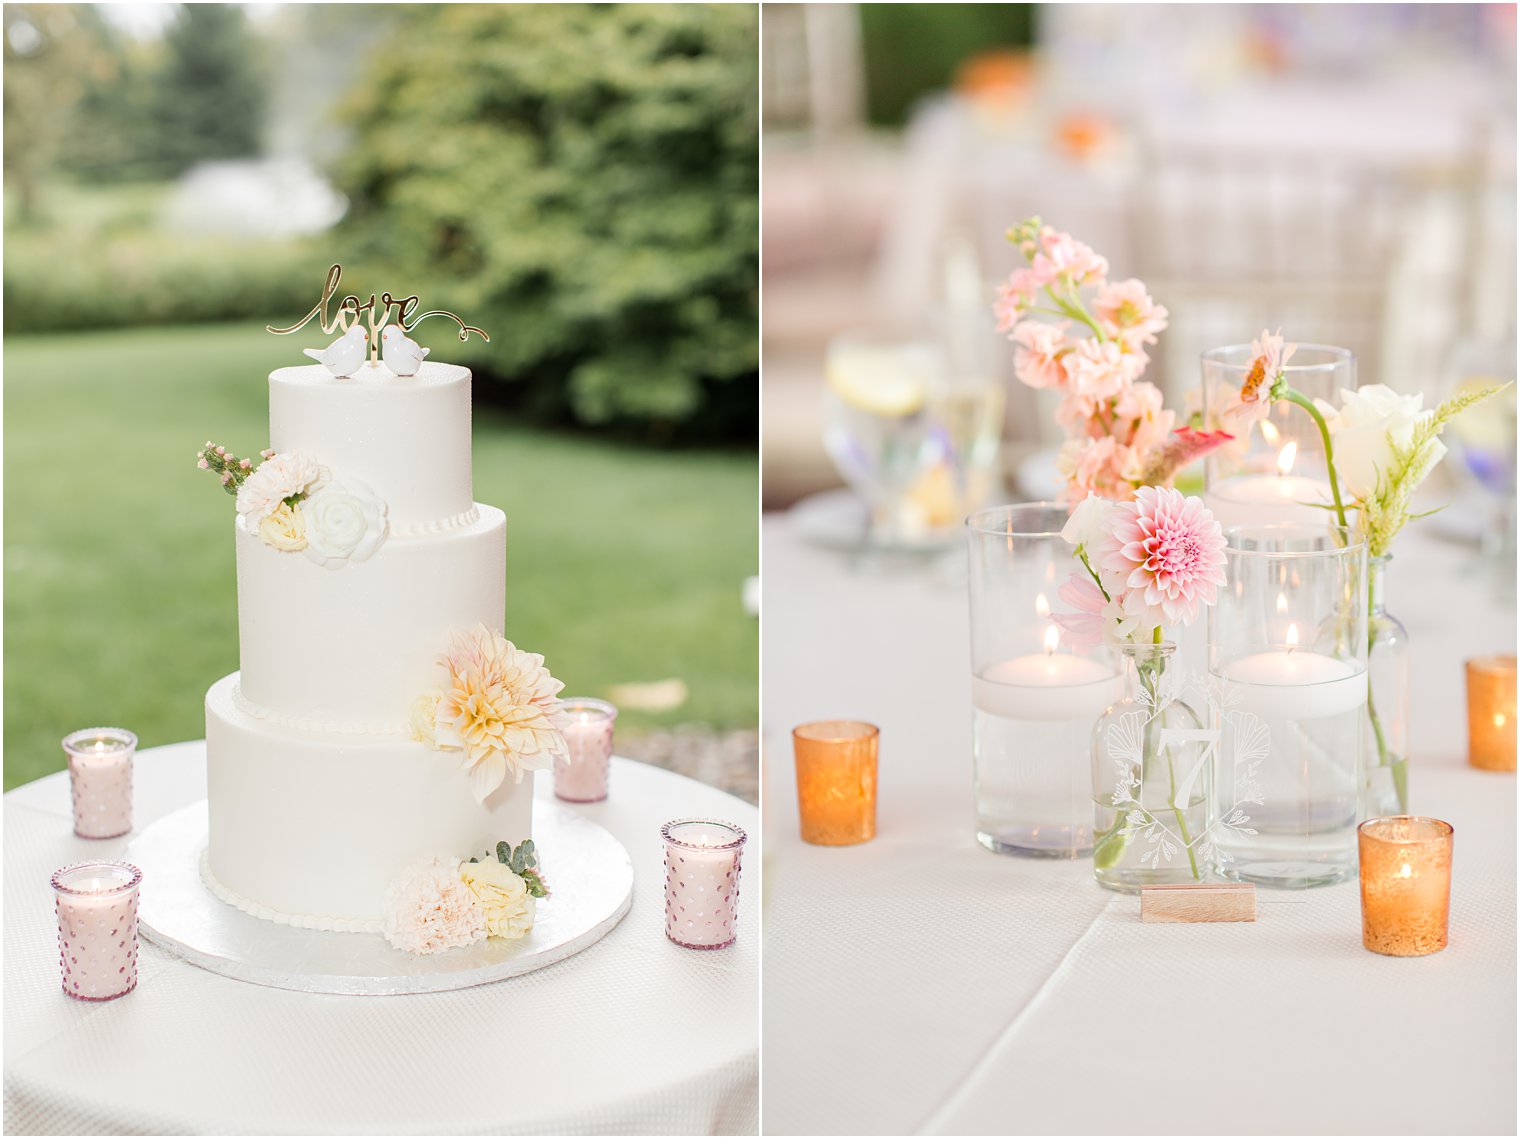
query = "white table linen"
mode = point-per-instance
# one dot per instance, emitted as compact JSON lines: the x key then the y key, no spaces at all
{"x":919,"y":984}
{"x":634,"y":1035}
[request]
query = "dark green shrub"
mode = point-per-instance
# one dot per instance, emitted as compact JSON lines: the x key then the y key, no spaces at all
{"x":581,"y":181}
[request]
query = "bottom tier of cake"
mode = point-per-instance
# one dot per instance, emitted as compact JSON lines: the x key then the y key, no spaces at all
{"x":312,"y":829}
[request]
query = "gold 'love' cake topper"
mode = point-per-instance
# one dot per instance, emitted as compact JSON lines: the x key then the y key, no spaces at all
{"x":367,"y":330}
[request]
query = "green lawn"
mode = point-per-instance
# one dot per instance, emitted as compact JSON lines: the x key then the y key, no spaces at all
{"x":623,"y":564}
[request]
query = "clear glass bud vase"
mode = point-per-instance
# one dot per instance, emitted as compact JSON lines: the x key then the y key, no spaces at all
{"x":1387,"y":735}
{"x":1152,"y":779}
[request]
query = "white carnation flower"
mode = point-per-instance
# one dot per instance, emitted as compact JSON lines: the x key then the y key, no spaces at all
{"x":282,"y":476}
{"x":428,"y":909}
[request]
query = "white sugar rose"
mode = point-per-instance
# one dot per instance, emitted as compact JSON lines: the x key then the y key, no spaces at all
{"x":345,"y":522}
{"x":284,"y":529}
{"x":1365,"y":427}
{"x":502,"y":896}
{"x":283,"y":475}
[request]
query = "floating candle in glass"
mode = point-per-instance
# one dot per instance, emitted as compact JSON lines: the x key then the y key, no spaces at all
{"x":588,"y":738}
{"x":1406,"y":884}
{"x":100,"y":778}
{"x":1491,"y":713}
{"x":97,"y":928}
{"x":701,"y":882}
{"x":836,"y":781}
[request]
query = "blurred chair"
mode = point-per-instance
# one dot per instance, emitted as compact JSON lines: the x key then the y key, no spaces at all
{"x":1333,"y":246}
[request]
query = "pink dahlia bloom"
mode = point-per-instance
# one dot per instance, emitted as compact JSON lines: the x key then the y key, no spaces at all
{"x":1169,"y":552}
{"x":1102,"y":370}
{"x":1128,"y":314}
{"x":1041,"y":345}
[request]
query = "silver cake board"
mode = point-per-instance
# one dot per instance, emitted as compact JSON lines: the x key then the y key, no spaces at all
{"x":589,"y":873}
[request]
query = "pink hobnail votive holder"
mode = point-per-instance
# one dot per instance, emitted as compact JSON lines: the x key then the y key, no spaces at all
{"x":100,"y":780}
{"x":97,"y":928}
{"x":702,"y":882}
{"x":588,"y":739}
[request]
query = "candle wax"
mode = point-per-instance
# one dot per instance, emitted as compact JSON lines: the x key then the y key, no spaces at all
{"x":97,"y":940}
{"x":1046,"y":686}
{"x":1296,"y":684}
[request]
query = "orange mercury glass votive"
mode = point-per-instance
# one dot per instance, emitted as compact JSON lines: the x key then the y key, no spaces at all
{"x":836,"y":781}
{"x":1491,"y":713}
{"x":1406,"y":884}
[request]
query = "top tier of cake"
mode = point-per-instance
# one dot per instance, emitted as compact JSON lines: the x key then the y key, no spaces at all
{"x":408,"y":438}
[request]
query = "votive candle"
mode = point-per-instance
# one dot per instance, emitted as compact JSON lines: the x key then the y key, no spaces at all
{"x":100,"y":779}
{"x":836,"y":781}
{"x":1491,"y":713}
{"x":582,"y":778}
{"x":1406,"y":884}
{"x":701,"y":882}
{"x":97,"y":928}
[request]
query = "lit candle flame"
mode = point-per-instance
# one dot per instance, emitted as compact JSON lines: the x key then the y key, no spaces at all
{"x":1286,"y":456}
{"x":1405,"y":871}
{"x":1270,"y":433}
{"x":1282,"y":602}
{"x":1292,"y":637}
{"x":1041,"y":606}
{"x":1052,"y":639}
{"x":1498,"y":719}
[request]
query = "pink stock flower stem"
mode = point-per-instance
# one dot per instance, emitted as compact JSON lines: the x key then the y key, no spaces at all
{"x":1074,"y":308}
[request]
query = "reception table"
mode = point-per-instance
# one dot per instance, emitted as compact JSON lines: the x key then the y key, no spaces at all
{"x":919,"y":984}
{"x":632,"y":1036}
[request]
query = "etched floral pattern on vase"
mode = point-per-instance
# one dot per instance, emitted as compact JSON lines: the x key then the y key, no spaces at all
{"x":1152,"y":764}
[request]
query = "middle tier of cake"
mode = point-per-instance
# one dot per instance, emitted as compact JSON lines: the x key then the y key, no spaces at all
{"x":349,"y":650}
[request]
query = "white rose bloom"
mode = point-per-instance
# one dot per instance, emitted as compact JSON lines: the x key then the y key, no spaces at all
{"x":1365,"y":427}
{"x":345,"y":522}
{"x":1089,"y":522}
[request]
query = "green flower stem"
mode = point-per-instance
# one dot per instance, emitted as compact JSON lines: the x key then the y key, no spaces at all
{"x":1171,"y":778}
{"x":1282,"y":391}
{"x":1398,"y":768}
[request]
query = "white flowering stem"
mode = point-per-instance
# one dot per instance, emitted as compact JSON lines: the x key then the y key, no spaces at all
{"x":1283,"y":391}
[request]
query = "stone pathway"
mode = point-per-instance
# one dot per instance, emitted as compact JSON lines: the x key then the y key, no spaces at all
{"x":726,"y":759}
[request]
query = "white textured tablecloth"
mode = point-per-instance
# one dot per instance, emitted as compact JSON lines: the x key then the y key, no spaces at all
{"x":918,"y":983}
{"x":632,"y":1036}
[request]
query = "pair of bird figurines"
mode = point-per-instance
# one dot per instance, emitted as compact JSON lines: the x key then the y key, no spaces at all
{"x":345,"y":355}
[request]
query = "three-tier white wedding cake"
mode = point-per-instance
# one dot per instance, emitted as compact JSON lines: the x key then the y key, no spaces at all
{"x":354,"y":742}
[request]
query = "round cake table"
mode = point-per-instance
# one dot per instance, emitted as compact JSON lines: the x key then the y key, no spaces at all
{"x":632,"y":1036}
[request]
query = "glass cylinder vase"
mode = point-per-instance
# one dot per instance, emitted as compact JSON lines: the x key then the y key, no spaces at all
{"x":1387,"y":734}
{"x":1274,"y":470}
{"x":1151,"y":780}
{"x":1288,"y":679}
{"x":1034,"y":695}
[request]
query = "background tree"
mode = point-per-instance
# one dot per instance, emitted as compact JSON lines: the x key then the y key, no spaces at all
{"x":51,"y":51}
{"x":581,"y":181}
{"x":210,"y":97}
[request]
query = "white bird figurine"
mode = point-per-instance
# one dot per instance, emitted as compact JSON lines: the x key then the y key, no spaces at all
{"x":400,"y":352}
{"x":345,"y":355}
